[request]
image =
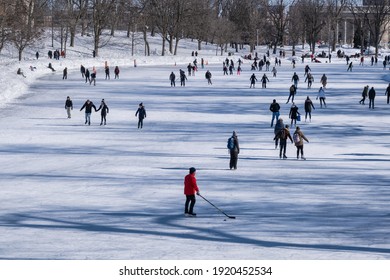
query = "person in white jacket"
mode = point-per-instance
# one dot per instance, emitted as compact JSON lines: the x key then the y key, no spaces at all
{"x":321,"y":95}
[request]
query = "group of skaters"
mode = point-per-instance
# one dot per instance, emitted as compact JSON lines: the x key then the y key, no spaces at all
{"x":90,"y":76}
{"x":104,"y":110}
{"x":371,"y":94}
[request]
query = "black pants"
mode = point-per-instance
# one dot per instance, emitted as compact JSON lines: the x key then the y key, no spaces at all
{"x":299,"y":150}
{"x":103,"y":119}
{"x":190,"y":201}
{"x":233,"y":159}
{"x":371,"y":103}
{"x":140,"y":122}
{"x":283,"y":146}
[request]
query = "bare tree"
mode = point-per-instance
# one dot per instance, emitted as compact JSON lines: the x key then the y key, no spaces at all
{"x":312,"y":11}
{"x":334,"y":10}
{"x":375,"y":15}
{"x":101,"y":10}
{"x":199,"y":22}
{"x":278,"y":18}
{"x":6,"y":18}
{"x":27,"y":29}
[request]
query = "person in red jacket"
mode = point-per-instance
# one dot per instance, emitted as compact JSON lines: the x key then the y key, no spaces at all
{"x":190,"y":189}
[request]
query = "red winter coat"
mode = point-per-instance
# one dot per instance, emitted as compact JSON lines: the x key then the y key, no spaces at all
{"x":190,"y":186}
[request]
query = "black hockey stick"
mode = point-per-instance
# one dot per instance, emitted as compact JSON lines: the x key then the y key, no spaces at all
{"x":230,"y":217}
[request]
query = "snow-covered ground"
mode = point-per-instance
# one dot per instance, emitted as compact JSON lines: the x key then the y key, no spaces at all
{"x":71,"y":191}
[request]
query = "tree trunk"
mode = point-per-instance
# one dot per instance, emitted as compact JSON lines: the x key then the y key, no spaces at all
{"x":147,"y":47}
{"x":199,"y":45}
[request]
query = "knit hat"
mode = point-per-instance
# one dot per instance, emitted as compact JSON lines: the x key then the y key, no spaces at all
{"x":192,"y":170}
{"x":141,"y":104}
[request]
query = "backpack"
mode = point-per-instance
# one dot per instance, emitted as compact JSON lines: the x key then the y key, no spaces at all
{"x":296,"y":138}
{"x":230,"y":143}
{"x":282,"y":133}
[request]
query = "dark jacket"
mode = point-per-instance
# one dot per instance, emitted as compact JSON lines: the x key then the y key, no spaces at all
{"x":68,"y":103}
{"x":274,"y":107}
{"x":141,"y":112}
{"x":308,"y":105}
{"x":88,"y":107}
{"x":293,"y":112}
{"x":371,"y":93}
{"x":236,"y":149}
{"x":283,"y":134}
{"x":103,"y":106}
{"x":278,"y":126}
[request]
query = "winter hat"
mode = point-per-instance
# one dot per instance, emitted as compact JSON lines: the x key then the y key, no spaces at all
{"x":192,"y":170}
{"x":141,"y":104}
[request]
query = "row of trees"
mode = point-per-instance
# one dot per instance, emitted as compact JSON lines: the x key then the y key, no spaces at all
{"x":221,"y":22}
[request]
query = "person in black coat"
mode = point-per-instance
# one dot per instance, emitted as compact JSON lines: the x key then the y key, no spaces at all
{"x":308,"y":106}
{"x":88,"y":105}
{"x":371,"y":97}
{"x":87,"y":76}
{"x":234,"y":152}
{"x":274,"y":108}
{"x":172,"y":78}
{"x":293,"y":114}
{"x":65,"y":73}
{"x":387,"y":93}
{"x":141,"y":112}
{"x":103,"y":106}
{"x":82,"y":70}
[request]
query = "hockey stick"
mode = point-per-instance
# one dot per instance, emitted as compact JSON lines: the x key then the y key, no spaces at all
{"x":230,"y":217}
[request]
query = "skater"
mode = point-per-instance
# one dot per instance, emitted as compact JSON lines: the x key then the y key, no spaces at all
{"x":107,"y":71}
{"x":141,"y":112}
{"x":293,"y":91}
{"x":295,"y":79}
{"x":364,"y":95}
{"x":65,"y":73}
{"x":82,"y":70}
{"x":350,"y":67}
{"x":93,"y":78}
{"x":190,"y":189}
{"x":172,"y":78}
{"x":274,"y":71}
{"x":88,"y":105}
{"x":307,"y":69}
{"x":321,"y":95}
{"x":234,"y":150}
{"x":324,"y":81}
{"x":183,"y":78}
{"x":253,"y":80}
{"x":105,"y":110}
{"x":278,"y":127}
{"x":294,"y":114}
{"x":87,"y":76}
{"x":283,"y":134}
{"x":274,"y":108}
{"x":371,"y":98}
{"x":68,"y":106}
{"x":264,"y":81}
{"x":208,"y":77}
{"x":387,"y":93}
{"x":308,"y":106}
{"x":309,"y":79}
{"x":116,"y":72}
{"x":298,"y":137}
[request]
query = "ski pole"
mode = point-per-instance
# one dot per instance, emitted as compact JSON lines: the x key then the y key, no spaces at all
{"x":230,"y":217}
